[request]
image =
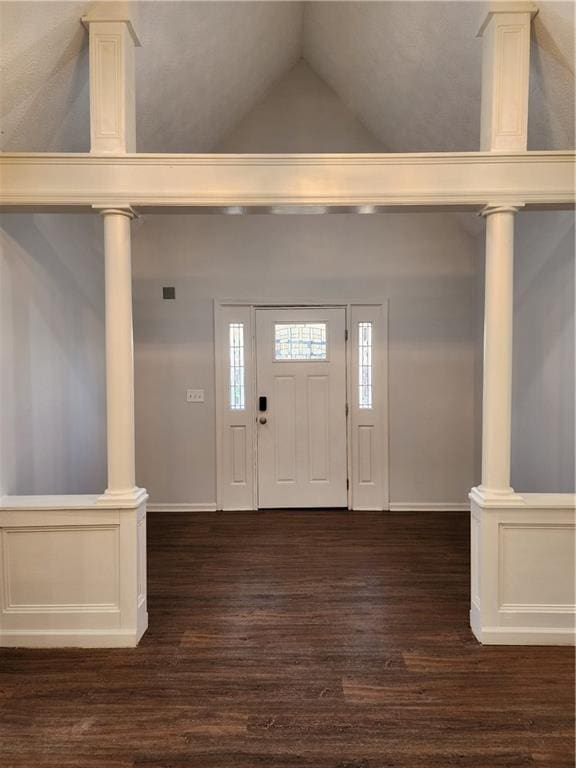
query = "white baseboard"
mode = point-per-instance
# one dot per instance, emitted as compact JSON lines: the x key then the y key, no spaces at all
{"x":520,"y":635}
{"x":50,"y":638}
{"x":400,"y":506}
{"x":430,"y":506}
{"x":207,"y":506}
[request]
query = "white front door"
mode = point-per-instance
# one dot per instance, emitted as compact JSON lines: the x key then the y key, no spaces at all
{"x":301,"y":407}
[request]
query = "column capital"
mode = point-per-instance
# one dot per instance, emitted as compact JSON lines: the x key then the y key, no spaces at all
{"x":503,"y":6}
{"x":107,"y":16}
{"x":118,"y":210}
{"x":491,"y":208}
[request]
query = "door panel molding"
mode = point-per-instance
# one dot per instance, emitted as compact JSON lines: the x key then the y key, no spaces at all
{"x":318,"y":423}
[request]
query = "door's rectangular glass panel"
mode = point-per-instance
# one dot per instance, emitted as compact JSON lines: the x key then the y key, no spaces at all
{"x":300,"y":341}
{"x":365,"y":365}
{"x":237,"y":372}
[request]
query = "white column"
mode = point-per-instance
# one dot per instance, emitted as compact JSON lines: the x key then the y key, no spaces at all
{"x":505,"y":37}
{"x":121,"y":488}
{"x":498,"y":322}
{"x":112,"y":80}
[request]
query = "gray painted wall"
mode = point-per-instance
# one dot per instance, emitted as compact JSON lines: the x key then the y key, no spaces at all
{"x":424,"y":264}
{"x":52,"y":420}
{"x":543,"y":423}
{"x":52,"y":377}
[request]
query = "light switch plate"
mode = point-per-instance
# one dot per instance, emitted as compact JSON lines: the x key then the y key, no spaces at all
{"x":194,"y":395}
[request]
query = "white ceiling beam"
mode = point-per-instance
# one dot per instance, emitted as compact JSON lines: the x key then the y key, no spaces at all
{"x":187,"y":182}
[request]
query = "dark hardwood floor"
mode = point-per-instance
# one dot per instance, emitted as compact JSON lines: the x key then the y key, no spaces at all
{"x":296,"y":640}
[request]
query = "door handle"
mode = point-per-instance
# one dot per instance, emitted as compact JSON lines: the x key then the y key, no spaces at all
{"x":262,"y":419}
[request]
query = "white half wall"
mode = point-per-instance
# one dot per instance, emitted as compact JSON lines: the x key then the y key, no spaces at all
{"x":71,"y":573}
{"x":522,"y":569}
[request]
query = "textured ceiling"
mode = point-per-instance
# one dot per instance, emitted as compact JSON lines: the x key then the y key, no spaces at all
{"x":44,"y":77}
{"x":412,"y":70}
{"x":201,"y":67}
{"x":409,"y":70}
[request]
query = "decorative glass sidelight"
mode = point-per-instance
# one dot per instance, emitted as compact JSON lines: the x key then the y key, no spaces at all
{"x":300,"y":341}
{"x":365,"y":365}
{"x":237,"y":370}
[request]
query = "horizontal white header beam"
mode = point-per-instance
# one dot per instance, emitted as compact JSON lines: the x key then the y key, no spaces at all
{"x":44,"y":182}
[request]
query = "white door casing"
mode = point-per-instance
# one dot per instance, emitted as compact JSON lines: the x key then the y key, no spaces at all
{"x":302,"y":434}
{"x":367,"y":430}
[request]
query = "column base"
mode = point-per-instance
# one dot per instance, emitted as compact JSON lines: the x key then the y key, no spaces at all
{"x":489,"y":497}
{"x":122,"y":499}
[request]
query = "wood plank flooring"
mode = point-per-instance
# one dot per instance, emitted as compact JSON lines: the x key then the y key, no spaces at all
{"x":296,"y":640}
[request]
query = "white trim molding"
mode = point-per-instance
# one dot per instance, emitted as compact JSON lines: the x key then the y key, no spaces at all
{"x":523,"y":569}
{"x":72,"y":573}
{"x":207,"y":506}
{"x":429,"y":506}
{"x":287,"y":183}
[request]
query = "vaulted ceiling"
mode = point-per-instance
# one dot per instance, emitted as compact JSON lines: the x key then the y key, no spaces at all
{"x":409,"y":70}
